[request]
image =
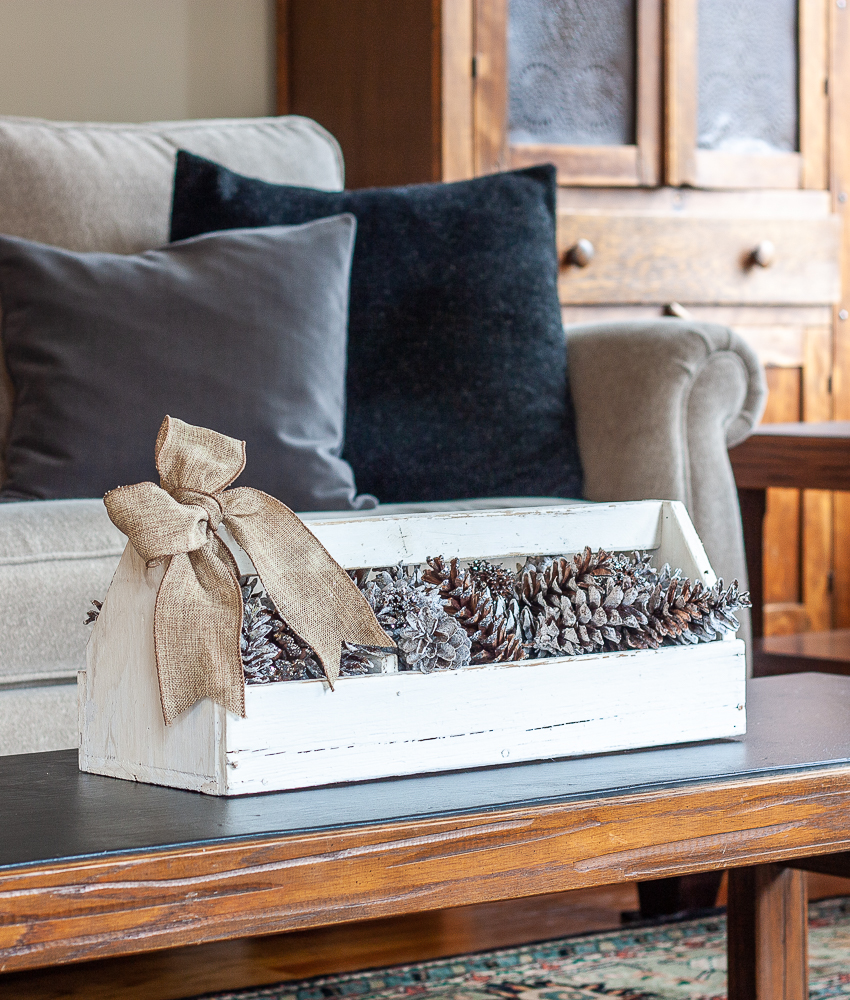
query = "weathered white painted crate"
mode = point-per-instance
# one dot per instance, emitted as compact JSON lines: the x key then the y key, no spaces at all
{"x":299,"y":734}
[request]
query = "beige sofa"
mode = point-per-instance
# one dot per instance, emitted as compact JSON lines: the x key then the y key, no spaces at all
{"x":657,"y":402}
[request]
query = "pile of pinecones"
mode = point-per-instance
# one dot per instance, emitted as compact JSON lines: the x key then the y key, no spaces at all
{"x":444,"y":616}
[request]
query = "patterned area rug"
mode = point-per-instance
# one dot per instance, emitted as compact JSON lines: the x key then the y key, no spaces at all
{"x":681,"y":961}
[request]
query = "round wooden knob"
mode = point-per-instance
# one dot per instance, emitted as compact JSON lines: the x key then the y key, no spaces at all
{"x":581,"y":254}
{"x":764,"y":253}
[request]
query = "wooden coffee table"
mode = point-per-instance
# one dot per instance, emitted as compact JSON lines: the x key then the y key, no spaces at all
{"x":93,"y":866}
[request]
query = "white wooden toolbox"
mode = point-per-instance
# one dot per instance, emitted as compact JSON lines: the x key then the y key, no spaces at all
{"x":298,"y":734}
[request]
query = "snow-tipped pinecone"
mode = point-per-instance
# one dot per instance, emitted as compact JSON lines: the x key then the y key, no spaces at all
{"x":298,"y":661}
{"x":458,"y":593}
{"x":270,"y":650}
{"x":492,"y":625}
{"x":356,"y":661}
{"x":543,"y":584}
{"x":499,"y":581}
{"x":260,"y":655}
{"x":391,"y":597}
{"x":433,"y":640}
{"x":723,"y":603}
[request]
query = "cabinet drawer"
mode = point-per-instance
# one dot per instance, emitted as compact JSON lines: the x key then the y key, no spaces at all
{"x":657,"y":259}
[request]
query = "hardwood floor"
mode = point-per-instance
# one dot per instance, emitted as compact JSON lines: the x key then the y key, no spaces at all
{"x":187,"y":972}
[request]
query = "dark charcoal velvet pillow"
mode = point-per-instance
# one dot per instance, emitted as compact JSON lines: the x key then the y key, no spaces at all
{"x":457,"y":380}
{"x":243,"y":332}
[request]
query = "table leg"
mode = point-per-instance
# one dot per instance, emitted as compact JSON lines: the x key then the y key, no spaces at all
{"x":753,"y":506}
{"x":767,"y":934}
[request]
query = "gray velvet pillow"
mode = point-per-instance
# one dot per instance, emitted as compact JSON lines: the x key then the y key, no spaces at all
{"x":243,"y":332}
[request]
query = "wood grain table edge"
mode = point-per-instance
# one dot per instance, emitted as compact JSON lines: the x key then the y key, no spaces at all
{"x":805,"y":456}
{"x":57,"y":913}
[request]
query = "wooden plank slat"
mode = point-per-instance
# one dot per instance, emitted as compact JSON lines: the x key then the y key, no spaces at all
{"x":680,"y":97}
{"x":456,"y":90}
{"x":839,"y":131}
{"x":814,"y":102}
{"x":817,"y":510}
{"x":782,"y":548}
{"x":717,"y":169}
{"x":491,"y":85}
{"x":101,"y":906}
{"x":649,"y":110}
{"x":646,"y":258}
{"x":282,"y":58}
{"x":613,"y":166}
{"x":367,"y":70}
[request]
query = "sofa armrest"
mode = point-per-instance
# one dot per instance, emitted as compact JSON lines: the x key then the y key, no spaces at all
{"x":658,"y":403}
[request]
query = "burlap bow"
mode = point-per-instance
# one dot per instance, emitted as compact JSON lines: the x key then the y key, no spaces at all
{"x":198,"y":613}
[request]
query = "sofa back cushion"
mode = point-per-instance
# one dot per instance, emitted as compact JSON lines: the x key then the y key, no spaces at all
{"x":457,"y":364}
{"x":87,"y":186}
{"x":105,"y":187}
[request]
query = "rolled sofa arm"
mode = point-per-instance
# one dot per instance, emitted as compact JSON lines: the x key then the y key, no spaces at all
{"x":658,"y":403}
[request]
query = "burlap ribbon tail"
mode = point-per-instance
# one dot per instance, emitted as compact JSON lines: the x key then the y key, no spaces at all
{"x":198,"y":616}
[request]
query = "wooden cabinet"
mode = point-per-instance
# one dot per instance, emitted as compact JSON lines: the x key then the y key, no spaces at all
{"x":703,"y":151}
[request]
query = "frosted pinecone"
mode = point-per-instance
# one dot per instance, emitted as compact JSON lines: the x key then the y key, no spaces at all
{"x":260,"y":655}
{"x":433,"y":640}
{"x":392,"y":596}
{"x":492,"y":623}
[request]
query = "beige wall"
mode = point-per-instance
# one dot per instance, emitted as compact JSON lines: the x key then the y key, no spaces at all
{"x":136,"y":60}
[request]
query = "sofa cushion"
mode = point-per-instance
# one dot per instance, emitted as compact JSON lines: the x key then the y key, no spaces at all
{"x":243,"y":331}
{"x":457,"y":360}
{"x":55,"y":558}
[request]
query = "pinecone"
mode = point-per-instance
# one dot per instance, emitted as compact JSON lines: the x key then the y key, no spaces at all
{"x":492,"y":626}
{"x":93,"y":612}
{"x":499,"y":581}
{"x":260,"y":655}
{"x":598,"y":601}
{"x":357,"y":661}
{"x":391,"y":595}
{"x":298,"y":661}
{"x":433,"y":640}
{"x":270,"y":650}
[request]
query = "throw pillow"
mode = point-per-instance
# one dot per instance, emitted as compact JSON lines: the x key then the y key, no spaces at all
{"x":243,"y":332}
{"x":457,"y":378}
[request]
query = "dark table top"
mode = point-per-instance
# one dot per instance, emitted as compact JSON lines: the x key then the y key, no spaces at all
{"x":49,"y":811}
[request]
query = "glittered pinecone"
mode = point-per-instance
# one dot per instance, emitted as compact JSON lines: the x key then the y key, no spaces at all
{"x":298,"y":661}
{"x":259,"y":654}
{"x":496,"y":641}
{"x":357,"y":661}
{"x":499,"y":581}
{"x":543,"y":584}
{"x":270,"y":650}
{"x":492,"y":625}
{"x":392,"y":595}
{"x":433,"y":640}
{"x":723,"y":603}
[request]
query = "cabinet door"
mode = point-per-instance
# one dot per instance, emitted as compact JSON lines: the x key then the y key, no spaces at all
{"x":747,"y":93}
{"x":570,"y":82}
